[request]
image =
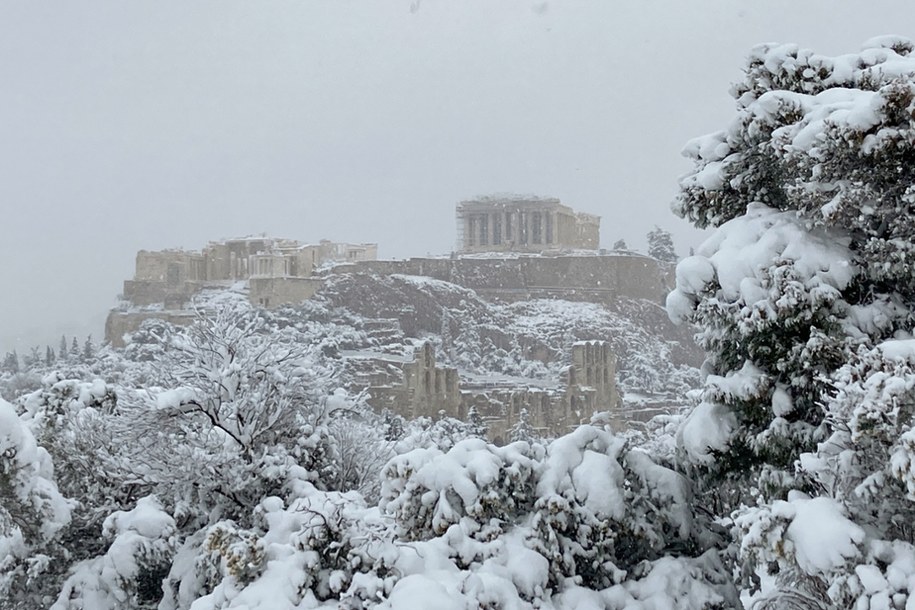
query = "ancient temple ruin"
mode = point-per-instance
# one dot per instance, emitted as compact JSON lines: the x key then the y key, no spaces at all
{"x":417,"y":386}
{"x":524,"y":224}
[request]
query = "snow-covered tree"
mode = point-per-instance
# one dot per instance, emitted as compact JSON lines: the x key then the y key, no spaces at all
{"x":811,"y":189}
{"x":63,"y":352}
{"x":32,"y":510}
{"x":661,"y":245}
{"x":475,"y":421}
{"x":522,"y":430}
{"x":393,"y":425}
{"x":11,"y":362}
{"x":235,"y":410}
{"x":248,"y":406}
{"x":88,"y":349}
{"x":620,"y":244}
{"x":33,"y":358}
{"x":71,"y":423}
{"x":72,"y":420}
{"x":860,"y":492}
{"x":360,"y":453}
{"x":130,"y":572}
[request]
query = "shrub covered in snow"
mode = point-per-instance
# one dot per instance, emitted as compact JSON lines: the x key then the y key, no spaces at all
{"x":238,"y":408}
{"x":586,"y":507}
{"x":130,"y":572}
{"x":32,"y":510}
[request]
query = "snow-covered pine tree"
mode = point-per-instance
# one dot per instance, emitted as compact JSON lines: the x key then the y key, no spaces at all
{"x":63,"y":352}
{"x":33,"y":358}
{"x":393,"y":425}
{"x":74,"y":349}
{"x":581,"y":513}
{"x":32,"y":510}
{"x":620,"y":244}
{"x":811,"y":189}
{"x":522,"y":429}
{"x":444,"y":432}
{"x":661,"y":245}
{"x":476,"y":422}
{"x":75,"y":425}
{"x":11,"y":362}
{"x":88,"y":349}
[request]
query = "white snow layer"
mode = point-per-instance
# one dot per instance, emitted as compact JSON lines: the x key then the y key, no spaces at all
{"x":706,"y":429}
{"x":902,"y":350}
{"x":735,"y":259}
{"x":824,"y":538}
{"x":586,"y":461}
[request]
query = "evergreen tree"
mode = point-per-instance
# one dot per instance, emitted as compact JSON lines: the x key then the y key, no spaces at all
{"x":33,"y":358}
{"x":620,"y":244}
{"x":393,"y":425}
{"x":11,"y":362}
{"x":74,"y":349}
{"x":800,"y":297}
{"x":522,"y":430}
{"x":88,"y":349}
{"x":62,"y":351}
{"x":477,"y":425}
{"x":48,"y":356}
{"x":661,"y":245}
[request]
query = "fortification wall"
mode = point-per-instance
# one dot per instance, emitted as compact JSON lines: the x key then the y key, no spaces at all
{"x":120,"y":323}
{"x":148,"y":292}
{"x":274,"y":291}
{"x":599,"y":278}
{"x":170,"y":266}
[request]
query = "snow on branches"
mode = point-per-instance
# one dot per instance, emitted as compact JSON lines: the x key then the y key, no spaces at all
{"x":804,"y":299}
{"x":32,"y":510}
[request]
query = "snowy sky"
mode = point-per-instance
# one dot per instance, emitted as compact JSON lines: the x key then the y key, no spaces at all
{"x":131,"y":125}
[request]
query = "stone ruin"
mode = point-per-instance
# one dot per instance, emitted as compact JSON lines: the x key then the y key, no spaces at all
{"x":275,"y":271}
{"x":524,"y":224}
{"x":418,"y":386}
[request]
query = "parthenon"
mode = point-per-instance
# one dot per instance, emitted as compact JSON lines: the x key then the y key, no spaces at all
{"x":524,"y":224}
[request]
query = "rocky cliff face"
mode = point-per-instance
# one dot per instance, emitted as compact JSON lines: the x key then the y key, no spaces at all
{"x":524,"y":342}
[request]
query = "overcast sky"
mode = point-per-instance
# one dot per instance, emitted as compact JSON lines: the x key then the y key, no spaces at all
{"x":157,"y":124}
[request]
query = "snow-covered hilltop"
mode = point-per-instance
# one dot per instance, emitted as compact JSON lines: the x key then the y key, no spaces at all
{"x":527,"y":322}
{"x":431,"y":346}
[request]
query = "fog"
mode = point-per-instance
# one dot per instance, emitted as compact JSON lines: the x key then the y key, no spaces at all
{"x":126,"y":126}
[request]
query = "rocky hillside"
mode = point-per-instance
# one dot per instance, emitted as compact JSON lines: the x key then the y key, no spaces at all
{"x":526,"y":339}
